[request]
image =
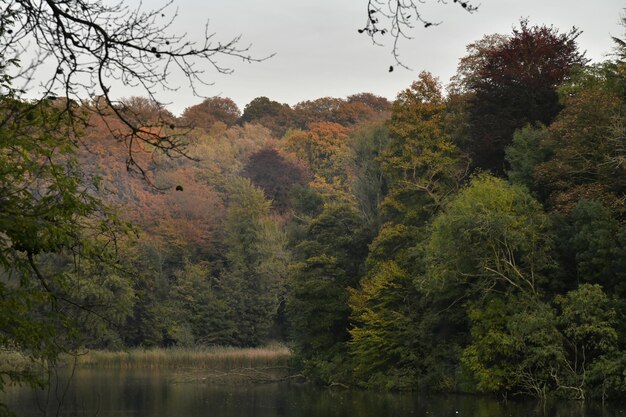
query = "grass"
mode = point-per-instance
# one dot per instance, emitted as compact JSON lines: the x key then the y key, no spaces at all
{"x":213,"y":358}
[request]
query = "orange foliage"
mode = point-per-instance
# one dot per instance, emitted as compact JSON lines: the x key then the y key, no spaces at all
{"x":321,"y":147}
{"x":186,"y":218}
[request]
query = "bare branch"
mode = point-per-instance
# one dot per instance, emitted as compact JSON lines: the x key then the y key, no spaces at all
{"x":397,"y":19}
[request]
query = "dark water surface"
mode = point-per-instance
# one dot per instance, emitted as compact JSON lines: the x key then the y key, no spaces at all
{"x":154,"y":393}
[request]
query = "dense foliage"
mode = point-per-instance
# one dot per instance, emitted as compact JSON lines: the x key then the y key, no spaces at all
{"x":469,"y":242}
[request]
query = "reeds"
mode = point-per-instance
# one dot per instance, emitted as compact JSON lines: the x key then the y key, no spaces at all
{"x":214,"y":358}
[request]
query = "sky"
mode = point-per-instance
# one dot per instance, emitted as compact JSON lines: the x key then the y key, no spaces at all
{"x":318,"y":51}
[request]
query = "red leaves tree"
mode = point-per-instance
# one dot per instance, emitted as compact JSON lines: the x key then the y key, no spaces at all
{"x":275,"y":175}
{"x":514,"y":83}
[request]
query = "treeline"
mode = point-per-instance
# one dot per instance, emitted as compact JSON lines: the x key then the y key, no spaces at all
{"x":468,"y":240}
{"x":210,"y":261}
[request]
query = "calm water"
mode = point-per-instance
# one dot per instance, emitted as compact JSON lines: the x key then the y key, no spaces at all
{"x":107,"y":393}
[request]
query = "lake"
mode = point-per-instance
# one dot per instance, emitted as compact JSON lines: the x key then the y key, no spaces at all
{"x":166,"y":393}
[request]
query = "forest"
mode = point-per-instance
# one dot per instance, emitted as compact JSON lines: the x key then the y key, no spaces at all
{"x":466,"y":239}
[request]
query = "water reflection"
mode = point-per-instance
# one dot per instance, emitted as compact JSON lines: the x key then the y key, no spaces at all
{"x":155,"y":393}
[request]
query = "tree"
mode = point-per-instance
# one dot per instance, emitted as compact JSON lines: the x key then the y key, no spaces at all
{"x":514,"y":345}
{"x":387,"y":345}
{"x":152,"y":322}
{"x":211,"y":110}
{"x":568,"y":348}
{"x":322,"y":148}
{"x":513,"y":83}
{"x":261,"y":107}
{"x":333,"y":110}
{"x":275,"y":175}
{"x":491,"y":237}
{"x":587,"y":320}
{"x":374,"y":102}
{"x":421,"y":168}
{"x":58,"y":242}
{"x":331,"y":261}
{"x":271,"y":114}
{"x":199,"y":300}
{"x":594,"y":247}
{"x":524,"y":154}
{"x":256,"y":264}
{"x":584,"y":145}
{"x":141,"y":111}
{"x":421,"y":164}
{"x":365,"y":177}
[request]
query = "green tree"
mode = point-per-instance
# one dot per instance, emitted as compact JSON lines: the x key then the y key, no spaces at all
{"x":256,"y":263}
{"x":277,"y":117}
{"x":587,"y":320}
{"x":492,"y":236}
{"x":596,"y":243}
{"x":331,"y":261}
{"x":57,"y":260}
{"x":421,"y":168}
{"x":152,"y":322}
{"x":524,"y":154}
{"x":201,"y":304}
{"x":514,"y":345}
{"x":387,"y":345}
{"x":365,"y":177}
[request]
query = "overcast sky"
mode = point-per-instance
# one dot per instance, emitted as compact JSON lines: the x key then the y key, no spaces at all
{"x":319,"y":52}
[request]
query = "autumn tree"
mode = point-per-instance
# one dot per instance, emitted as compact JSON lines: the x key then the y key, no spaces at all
{"x":583,"y":147}
{"x":211,"y":110}
{"x":335,"y":110}
{"x":81,"y":49}
{"x":322,"y":148}
{"x":142,"y":111}
{"x":421,"y":163}
{"x":222,"y":153}
{"x":374,"y":102}
{"x":513,"y":82}
{"x":188,"y":218}
{"x":275,"y":175}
